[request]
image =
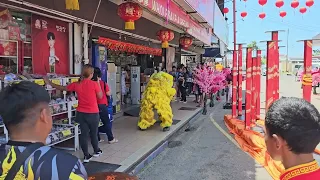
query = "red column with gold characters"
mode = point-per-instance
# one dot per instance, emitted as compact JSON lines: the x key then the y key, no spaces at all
{"x":240,"y":80}
{"x":254,"y":90}
{"x":275,"y":39}
{"x":248,"y":87}
{"x":258,"y":84}
{"x":270,"y":65}
{"x":234,"y":84}
{"x":307,"y":77}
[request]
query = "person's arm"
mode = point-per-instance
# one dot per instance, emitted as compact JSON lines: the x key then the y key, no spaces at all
{"x":108,"y":92}
{"x":59,"y":87}
{"x":98,"y":90}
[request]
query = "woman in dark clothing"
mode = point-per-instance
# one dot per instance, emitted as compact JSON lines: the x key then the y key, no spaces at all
{"x":183,"y":85}
{"x":87,"y":115}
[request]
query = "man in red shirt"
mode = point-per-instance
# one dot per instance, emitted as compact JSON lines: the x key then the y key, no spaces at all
{"x":103,"y":107}
{"x":292,"y":134}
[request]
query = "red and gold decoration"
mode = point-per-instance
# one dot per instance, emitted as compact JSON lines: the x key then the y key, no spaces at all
{"x":128,"y":47}
{"x":279,"y":3}
{"x":276,"y":60}
{"x":270,"y":66}
{"x":234,"y":84}
{"x":303,"y":10}
{"x":165,"y":36}
{"x":244,"y":14}
{"x":185,"y":42}
{"x":248,"y":96}
{"x":240,"y":79}
{"x":263,"y":2}
{"x":254,"y":90}
{"x":309,"y":3}
{"x":258,"y":82}
{"x":72,"y":5}
{"x":225,"y":10}
{"x":307,"y":87}
{"x":130,"y":12}
{"x":262,"y":15}
{"x":295,"y":4}
{"x":283,"y":14}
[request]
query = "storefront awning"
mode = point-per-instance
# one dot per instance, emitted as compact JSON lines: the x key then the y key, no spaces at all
{"x":316,"y":40}
{"x":212,"y":52}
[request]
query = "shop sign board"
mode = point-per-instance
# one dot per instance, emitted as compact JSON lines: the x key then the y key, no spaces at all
{"x":174,"y":14}
{"x":50,"y":44}
{"x":204,"y":8}
{"x":220,"y":26}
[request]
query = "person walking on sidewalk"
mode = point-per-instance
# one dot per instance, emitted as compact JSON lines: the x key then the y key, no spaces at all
{"x":103,"y":108}
{"x":183,"y":85}
{"x":26,"y":114}
{"x":87,"y":115}
{"x":292,"y":134}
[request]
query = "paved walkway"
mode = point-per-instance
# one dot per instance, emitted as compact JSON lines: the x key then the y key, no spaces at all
{"x":134,"y":144}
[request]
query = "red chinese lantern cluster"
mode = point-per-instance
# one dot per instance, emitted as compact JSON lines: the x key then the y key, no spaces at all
{"x":165,"y":36}
{"x":262,"y":15}
{"x":244,"y":14}
{"x":283,"y":14}
{"x":185,"y":42}
{"x":130,"y":12}
{"x":309,"y":3}
{"x":263,"y":2}
{"x":294,"y":4}
{"x":128,"y":47}
{"x":303,"y":10}
{"x":279,"y":3}
{"x":225,"y":10}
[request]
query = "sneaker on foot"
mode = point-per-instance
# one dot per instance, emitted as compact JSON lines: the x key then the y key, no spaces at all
{"x":87,"y":158}
{"x":101,"y":140}
{"x":165,"y":129}
{"x":113,"y":141}
{"x":185,"y":102}
{"x":98,"y":153}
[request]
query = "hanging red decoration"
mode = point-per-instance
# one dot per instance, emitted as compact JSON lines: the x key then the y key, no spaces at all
{"x":129,"y":12}
{"x":185,"y":42}
{"x":283,"y":14}
{"x":225,"y":10}
{"x":279,"y":3}
{"x":244,"y":14}
{"x":303,"y":10}
{"x":295,"y":4}
{"x":262,"y":15}
{"x":309,"y":3}
{"x":262,"y":2}
{"x":165,"y":36}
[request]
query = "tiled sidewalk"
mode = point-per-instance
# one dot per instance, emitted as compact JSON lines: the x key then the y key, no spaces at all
{"x":134,"y":144}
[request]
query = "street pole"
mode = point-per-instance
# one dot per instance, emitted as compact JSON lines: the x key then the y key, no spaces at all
{"x":287,"y":59}
{"x":234,"y":64}
{"x":307,"y":77}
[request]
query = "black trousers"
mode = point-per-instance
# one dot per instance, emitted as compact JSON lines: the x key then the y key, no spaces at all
{"x":183,"y":93}
{"x":89,"y":123}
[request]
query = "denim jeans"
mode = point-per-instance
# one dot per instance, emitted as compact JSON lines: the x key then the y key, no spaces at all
{"x":107,"y":124}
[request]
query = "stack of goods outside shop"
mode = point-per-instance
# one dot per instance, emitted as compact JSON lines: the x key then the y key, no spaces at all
{"x":32,"y":46}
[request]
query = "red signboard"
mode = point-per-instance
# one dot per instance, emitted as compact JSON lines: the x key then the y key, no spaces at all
{"x":50,"y":44}
{"x":169,"y":10}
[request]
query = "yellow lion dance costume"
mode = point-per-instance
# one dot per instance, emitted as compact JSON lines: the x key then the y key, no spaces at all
{"x":158,"y":95}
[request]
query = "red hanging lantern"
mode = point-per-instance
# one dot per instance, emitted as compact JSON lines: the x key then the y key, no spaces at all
{"x":279,"y":3}
{"x":185,"y":42}
{"x":295,"y":4}
{"x":262,"y":2}
{"x":129,"y":12}
{"x":309,"y":3}
{"x":262,"y":15}
{"x":225,"y":10}
{"x":303,"y":10}
{"x":165,"y":36}
{"x":244,"y":14}
{"x":283,"y":14}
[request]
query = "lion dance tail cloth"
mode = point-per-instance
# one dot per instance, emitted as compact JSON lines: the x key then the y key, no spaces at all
{"x":158,"y":95}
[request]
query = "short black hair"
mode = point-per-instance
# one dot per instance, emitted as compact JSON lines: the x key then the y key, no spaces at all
{"x":97,"y":74}
{"x":295,"y":120}
{"x":51,"y":35}
{"x":174,"y":67}
{"x":19,"y":102}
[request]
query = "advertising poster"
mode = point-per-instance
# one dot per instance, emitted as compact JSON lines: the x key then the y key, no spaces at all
{"x":50,"y":44}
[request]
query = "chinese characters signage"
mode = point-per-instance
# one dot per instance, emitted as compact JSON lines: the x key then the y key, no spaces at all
{"x":177,"y":16}
{"x":50,"y":44}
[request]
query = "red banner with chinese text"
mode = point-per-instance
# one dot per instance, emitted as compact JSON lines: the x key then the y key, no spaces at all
{"x":240,"y":80}
{"x":258,"y":82}
{"x":254,"y":90}
{"x":248,"y":88}
{"x":270,"y":74}
{"x":275,"y":38}
{"x":234,"y":84}
{"x":307,"y":87}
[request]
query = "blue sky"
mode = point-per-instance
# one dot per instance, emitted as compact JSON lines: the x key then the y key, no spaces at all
{"x":253,"y":28}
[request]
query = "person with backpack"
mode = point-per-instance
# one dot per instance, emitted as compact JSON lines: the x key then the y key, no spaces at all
{"x":26,"y":114}
{"x":103,"y":107}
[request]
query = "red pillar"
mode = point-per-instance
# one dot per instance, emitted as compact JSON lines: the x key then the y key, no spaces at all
{"x":248,"y":87}
{"x":270,"y":82}
{"x":307,"y":87}
{"x":240,"y":80}
{"x":254,"y":90}
{"x":234,"y":84}
{"x":258,"y":84}
{"x":275,"y":38}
